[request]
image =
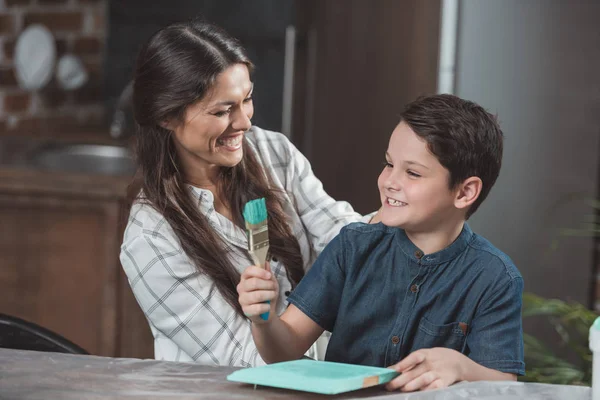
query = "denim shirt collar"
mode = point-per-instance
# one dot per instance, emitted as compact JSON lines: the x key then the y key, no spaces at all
{"x":453,"y":250}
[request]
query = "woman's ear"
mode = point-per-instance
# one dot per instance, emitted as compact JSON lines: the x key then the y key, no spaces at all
{"x":468,"y":192}
{"x":167,"y":124}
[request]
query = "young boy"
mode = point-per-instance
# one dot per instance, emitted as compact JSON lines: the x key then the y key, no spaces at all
{"x":420,"y":291}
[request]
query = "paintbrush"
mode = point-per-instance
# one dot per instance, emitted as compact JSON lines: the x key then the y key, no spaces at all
{"x":255,"y":216}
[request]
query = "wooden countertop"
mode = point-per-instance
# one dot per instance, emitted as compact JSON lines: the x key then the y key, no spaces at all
{"x":29,"y":375}
{"x":32,"y":180}
{"x":36,"y":375}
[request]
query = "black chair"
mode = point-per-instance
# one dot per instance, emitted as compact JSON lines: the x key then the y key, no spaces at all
{"x":16,"y":333}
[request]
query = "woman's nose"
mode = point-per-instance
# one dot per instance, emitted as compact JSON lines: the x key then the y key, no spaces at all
{"x":241,"y":121}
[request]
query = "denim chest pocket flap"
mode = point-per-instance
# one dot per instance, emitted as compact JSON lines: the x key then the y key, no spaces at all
{"x":451,"y":336}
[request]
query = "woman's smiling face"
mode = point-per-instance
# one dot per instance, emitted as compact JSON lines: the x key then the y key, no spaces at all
{"x":213,"y":128}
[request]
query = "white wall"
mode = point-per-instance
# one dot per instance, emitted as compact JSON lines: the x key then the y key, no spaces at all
{"x":536,"y":63}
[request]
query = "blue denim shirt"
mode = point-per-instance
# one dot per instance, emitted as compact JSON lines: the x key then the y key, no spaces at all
{"x":382,"y":298}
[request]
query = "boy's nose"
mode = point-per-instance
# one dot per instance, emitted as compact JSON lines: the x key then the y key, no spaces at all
{"x":392,"y":184}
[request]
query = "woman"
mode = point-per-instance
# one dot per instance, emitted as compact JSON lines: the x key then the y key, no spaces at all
{"x":201,"y":160}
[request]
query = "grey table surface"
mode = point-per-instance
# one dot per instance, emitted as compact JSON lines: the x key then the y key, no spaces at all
{"x":29,"y":375}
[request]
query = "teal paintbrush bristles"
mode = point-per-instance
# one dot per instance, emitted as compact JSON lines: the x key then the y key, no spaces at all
{"x":255,"y":216}
{"x":255,"y":211}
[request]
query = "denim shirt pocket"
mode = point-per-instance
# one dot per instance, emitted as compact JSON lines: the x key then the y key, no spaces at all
{"x":451,"y":336}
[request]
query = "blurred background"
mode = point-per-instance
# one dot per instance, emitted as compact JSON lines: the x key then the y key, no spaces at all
{"x":333,"y":76}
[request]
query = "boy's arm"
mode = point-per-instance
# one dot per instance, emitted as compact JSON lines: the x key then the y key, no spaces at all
{"x":314,"y":305}
{"x":285,"y":338}
{"x":476,"y":372}
{"x":280,"y":338}
{"x":440,"y":367}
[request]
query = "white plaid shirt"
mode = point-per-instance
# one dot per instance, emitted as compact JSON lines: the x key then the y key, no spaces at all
{"x":189,"y":318}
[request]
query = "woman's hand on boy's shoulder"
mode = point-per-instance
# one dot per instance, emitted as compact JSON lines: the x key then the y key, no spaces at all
{"x":376,"y":218}
{"x":427,"y":369}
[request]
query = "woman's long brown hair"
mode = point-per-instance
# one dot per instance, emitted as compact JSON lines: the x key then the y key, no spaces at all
{"x":174,"y":70}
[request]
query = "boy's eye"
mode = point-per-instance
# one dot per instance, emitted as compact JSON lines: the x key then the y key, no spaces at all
{"x":413,"y":174}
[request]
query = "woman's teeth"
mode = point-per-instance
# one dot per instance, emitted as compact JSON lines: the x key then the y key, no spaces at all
{"x":230,"y":142}
{"x":395,"y":203}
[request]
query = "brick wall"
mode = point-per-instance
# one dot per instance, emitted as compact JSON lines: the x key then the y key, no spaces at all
{"x":79,"y":27}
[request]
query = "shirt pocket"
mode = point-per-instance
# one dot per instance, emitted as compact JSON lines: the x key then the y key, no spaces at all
{"x":451,"y":336}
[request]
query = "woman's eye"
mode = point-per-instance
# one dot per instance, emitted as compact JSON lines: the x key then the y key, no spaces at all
{"x":247,"y":99}
{"x":413,"y":174}
{"x":387,"y":164}
{"x":222,"y":113}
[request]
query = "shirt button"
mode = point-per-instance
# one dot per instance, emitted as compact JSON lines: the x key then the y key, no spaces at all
{"x":287,"y":293}
{"x":395,"y":339}
{"x":414,"y":288}
{"x":418,"y":254}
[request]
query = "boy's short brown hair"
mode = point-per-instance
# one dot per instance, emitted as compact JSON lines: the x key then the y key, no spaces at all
{"x":465,"y":138}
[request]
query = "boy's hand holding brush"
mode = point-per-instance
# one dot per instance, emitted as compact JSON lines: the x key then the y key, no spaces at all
{"x":258,"y":289}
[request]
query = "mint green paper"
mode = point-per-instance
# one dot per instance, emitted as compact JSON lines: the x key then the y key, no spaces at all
{"x":314,"y":376}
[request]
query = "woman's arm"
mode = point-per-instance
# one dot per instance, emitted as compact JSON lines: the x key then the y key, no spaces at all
{"x":322,"y":216}
{"x":183,"y":306}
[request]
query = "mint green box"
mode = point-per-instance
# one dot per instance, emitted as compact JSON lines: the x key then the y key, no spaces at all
{"x":314,"y":376}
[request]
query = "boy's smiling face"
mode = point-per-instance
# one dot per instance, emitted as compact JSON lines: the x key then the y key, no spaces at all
{"x":414,"y":185}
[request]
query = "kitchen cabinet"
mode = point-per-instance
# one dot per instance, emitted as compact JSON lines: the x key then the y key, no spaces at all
{"x":59,"y":245}
{"x":357,"y":64}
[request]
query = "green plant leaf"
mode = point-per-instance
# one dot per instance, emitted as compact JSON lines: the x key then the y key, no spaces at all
{"x":571,"y":321}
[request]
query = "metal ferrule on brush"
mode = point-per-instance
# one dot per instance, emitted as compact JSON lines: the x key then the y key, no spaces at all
{"x":258,"y":242}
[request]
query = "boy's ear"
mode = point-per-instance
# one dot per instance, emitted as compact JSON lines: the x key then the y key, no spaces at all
{"x":468,"y":192}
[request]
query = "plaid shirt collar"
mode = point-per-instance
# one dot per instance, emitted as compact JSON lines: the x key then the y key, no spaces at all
{"x":227,"y":229}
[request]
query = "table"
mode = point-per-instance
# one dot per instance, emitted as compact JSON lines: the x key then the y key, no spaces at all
{"x":30,"y":375}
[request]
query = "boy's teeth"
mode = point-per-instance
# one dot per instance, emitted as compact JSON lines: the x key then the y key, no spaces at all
{"x":393,"y":202}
